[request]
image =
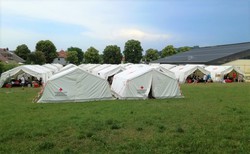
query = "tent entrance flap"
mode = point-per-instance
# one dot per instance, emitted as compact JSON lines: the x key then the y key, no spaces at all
{"x":150,"y":94}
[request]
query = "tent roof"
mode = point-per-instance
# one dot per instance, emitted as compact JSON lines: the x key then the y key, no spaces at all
{"x":111,"y":70}
{"x":222,"y":69}
{"x":134,"y":72}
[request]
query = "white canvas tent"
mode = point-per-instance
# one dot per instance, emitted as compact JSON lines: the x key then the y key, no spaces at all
{"x":88,"y":67}
{"x":183,"y":71}
{"x":165,"y":66}
{"x":110,"y":71}
{"x":32,"y":70}
{"x":75,"y":85}
{"x":144,"y":82}
{"x":68,"y":66}
{"x":164,"y":70}
{"x":218,"y":72}
{"x":59,"y":66}
{"x":99,"y":68}
{"x":53,"y":68}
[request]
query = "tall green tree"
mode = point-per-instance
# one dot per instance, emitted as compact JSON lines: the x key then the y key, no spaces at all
{"x":48,"y":48}
{"x":168,"y":51}
{"x":112,"y":54}
{"x":80,"y":54}
{"x":36,"y":57}
{"x":151,"y":54}
{"x":72,"y":57}
{"x":183,"y":49}
{"x":22,"y":51}
{"x":101,"y":61}
{"x":92,"y":56}
{"x":133,"y":51}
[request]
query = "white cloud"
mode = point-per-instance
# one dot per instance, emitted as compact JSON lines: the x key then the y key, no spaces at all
{"x":110,"y":22}
{"x":141,"y":35}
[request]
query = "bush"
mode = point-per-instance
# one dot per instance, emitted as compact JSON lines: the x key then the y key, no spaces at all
{"x":5,"y":67}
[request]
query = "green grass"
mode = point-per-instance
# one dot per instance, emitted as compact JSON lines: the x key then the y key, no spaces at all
{"x":212,"y":118}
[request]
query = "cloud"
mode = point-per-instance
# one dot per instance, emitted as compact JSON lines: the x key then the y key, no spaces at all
{"x":110,"y":22}
{"x":141,"y":35}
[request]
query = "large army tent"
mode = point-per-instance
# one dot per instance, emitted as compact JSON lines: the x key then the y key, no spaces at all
{"x":75,"y":85}
{"x":144,"y":82}
{"x":183,"y":71}
{"x":32,"y":70}
{"x":218,"y":72}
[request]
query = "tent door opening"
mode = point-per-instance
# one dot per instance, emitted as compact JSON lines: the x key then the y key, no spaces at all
{"x":150,"y":94}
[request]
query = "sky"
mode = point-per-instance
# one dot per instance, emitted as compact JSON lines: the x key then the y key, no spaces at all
{"x":98,"y":23}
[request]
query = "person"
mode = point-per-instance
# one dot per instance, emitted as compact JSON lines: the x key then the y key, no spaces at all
{"x":234,"y":76}
{"x":40,"y":81}
{"x":22,"y":81}
{"x":240,"y":78}
{"x":205,"y":78}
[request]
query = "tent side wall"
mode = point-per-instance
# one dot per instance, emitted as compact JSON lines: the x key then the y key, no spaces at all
{"x":60,"y":89}
{"x":93,"y":88}
{"x":75,"y":85}
{"x":132,"y":88}
{"x":164,"y":86}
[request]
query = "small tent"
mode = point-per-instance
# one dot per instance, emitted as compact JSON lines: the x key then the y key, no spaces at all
{"x":219,"y":72}
{"x":144,"y":82}
{"x":110,"y":71}
{"x":75,"y":85}
{"x":31,"y":70}
{"x":182,"y":72}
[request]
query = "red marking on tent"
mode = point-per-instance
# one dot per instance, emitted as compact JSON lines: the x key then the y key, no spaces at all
{"x":60,"y":89}
{"x":142,"y":87}
{"x":215,"y":68}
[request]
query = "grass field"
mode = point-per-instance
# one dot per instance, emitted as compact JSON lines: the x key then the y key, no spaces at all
{"x":212,"y":118}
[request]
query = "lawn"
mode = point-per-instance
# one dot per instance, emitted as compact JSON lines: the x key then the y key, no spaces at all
{"x":211,"y":118}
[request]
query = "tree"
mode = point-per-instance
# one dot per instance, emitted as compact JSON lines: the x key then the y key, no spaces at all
{"x":48,"y":48}
{"x":92,"y":56}
{"x":133,"y":51}
{"x":168,"y":51}
{"x":72,"y":57}
{"x":183,"y":49}
{"x":151,"y":54}
{"x":1,"y":68}
{"x":112,"y":54}
{"x":36,"y":57}
{"x":101,"y":59}
{"x":22,"y":51}
{"x":80,"y":54}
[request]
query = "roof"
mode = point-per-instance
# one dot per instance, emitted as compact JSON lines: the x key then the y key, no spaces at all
{"x":62,"y":54}
{"x":9,"y":56}
{"x":209,"y":55}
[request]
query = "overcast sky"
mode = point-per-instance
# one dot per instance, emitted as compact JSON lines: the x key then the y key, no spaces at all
{"x":98,"y":23}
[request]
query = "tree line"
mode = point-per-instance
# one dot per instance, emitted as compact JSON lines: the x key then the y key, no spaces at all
{"x":46,"y":52}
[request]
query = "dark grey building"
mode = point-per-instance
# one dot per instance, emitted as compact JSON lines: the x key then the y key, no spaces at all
{"x":211,"y":55}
